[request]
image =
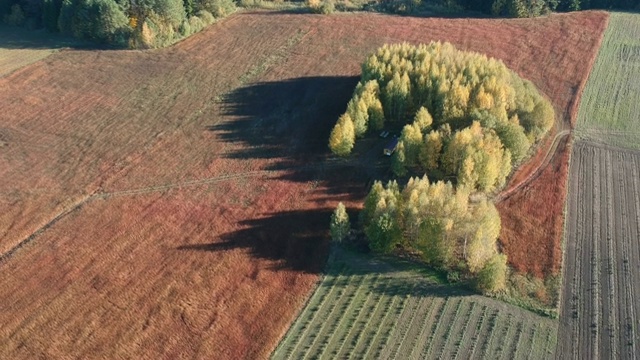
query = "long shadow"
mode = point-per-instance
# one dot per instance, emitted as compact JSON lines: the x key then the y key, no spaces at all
{"x":19,"y":38}
{"x":289,"y":122}
{"x":299,"y":240}
{"x":372,"y":9}
{"x":290,"y":119}
{"x":347,"y":265}
{"x":296,"y":240}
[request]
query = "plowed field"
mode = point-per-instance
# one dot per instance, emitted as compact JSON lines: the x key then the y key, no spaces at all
{"x":600,"y":311}
{"x":176,"y":201}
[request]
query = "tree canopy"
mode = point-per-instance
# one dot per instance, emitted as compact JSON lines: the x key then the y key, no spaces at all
{"x":464,"y":114}
{"x":441,"y":222}
{"x":125,"y":23}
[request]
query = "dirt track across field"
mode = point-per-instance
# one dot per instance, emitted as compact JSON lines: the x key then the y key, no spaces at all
{"x":600,"y":314}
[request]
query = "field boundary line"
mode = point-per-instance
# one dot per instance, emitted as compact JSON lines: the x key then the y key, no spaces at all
{"x":144,"y":190}
{"x":188,"y":183}
{"x":551,"y":153}
{"x":39,"y":231}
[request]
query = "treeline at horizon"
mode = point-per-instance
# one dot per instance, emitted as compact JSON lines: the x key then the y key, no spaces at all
{"x":531,"y":8}
{"x":121,"y":23}
{"x":159,"y":23}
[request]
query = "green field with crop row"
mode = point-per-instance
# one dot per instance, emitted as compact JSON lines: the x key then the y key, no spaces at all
{"x":365,"y":308}
{"x":609,"y":111}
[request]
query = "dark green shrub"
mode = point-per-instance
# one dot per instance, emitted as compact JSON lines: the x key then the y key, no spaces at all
{"x":15,"y":17}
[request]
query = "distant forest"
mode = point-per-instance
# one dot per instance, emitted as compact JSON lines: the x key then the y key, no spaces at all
{"x":126,"y":23}
{"x":159,"y":23}
{"x":529,"y":8}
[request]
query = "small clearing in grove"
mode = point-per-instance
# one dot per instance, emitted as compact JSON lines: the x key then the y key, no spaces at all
{"x":600,"y":312}
{"x":366,"y":308}
{"x":177,"y":201}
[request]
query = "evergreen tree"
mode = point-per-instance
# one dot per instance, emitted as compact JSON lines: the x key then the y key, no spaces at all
{"x":50,"y":14}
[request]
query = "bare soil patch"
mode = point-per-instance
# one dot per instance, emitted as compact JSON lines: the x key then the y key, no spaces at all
{"x":600,"y":312}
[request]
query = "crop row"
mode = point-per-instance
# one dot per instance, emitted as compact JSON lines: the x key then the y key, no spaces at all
{"x":363,"y":309}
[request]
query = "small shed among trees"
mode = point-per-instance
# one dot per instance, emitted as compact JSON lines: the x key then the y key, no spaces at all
{"x":390,"y":148}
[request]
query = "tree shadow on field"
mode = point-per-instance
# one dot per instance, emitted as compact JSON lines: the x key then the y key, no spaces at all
{"x":346,"y":268}
{"x":289,"y":122}
{"x":12,"y":37}
{"x":296,"y":240}
{"x":290,"y":119}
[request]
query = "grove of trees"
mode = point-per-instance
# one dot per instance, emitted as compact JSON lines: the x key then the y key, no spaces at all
{"x":126,"y":23}
{"x":530,"y":8}
{"x":440,"y":221}
{"x":463,"y":115}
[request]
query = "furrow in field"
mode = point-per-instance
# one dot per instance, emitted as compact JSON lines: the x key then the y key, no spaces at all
{"x":609,"y":279}
{"x":390,"y":323}
{"x":456,"y":326}
{"x":524,"y":343}
{"x":314,"y":328}
{"x":338,"y":327}
{"x":374,"y":317}
{"x":319,"y":297}
{"x":429,"y":324}
{"x":428,"y":305}
{"x":383,"y":317}
{"x":490,"y":333}
{"x":467,"y":331}
{"x":634,"y":253}
{"x":437,"y":329}
{"x":570,"y":306}
{"x":513,"y":340}
{"x":411,"y":339}
{"x":626,"y":325}
{"x":342,"y":309}
{"x":469,"y":335}
{"x":599,"y":315}
{"x":404,"y":321}
{"x":496,"y":345}
{"x":357,"y":323}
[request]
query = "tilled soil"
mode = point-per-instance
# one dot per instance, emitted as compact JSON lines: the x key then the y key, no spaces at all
{"x":600,"y":311}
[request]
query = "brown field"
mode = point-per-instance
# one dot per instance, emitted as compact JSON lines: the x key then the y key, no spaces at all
{"x":175,"y":202}
{"x":600,"y":295}
{"x":540,"y":220}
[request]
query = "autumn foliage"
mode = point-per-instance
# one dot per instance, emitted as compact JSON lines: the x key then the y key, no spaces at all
{"x":438,"y":220}
{"x":464,"y":114}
